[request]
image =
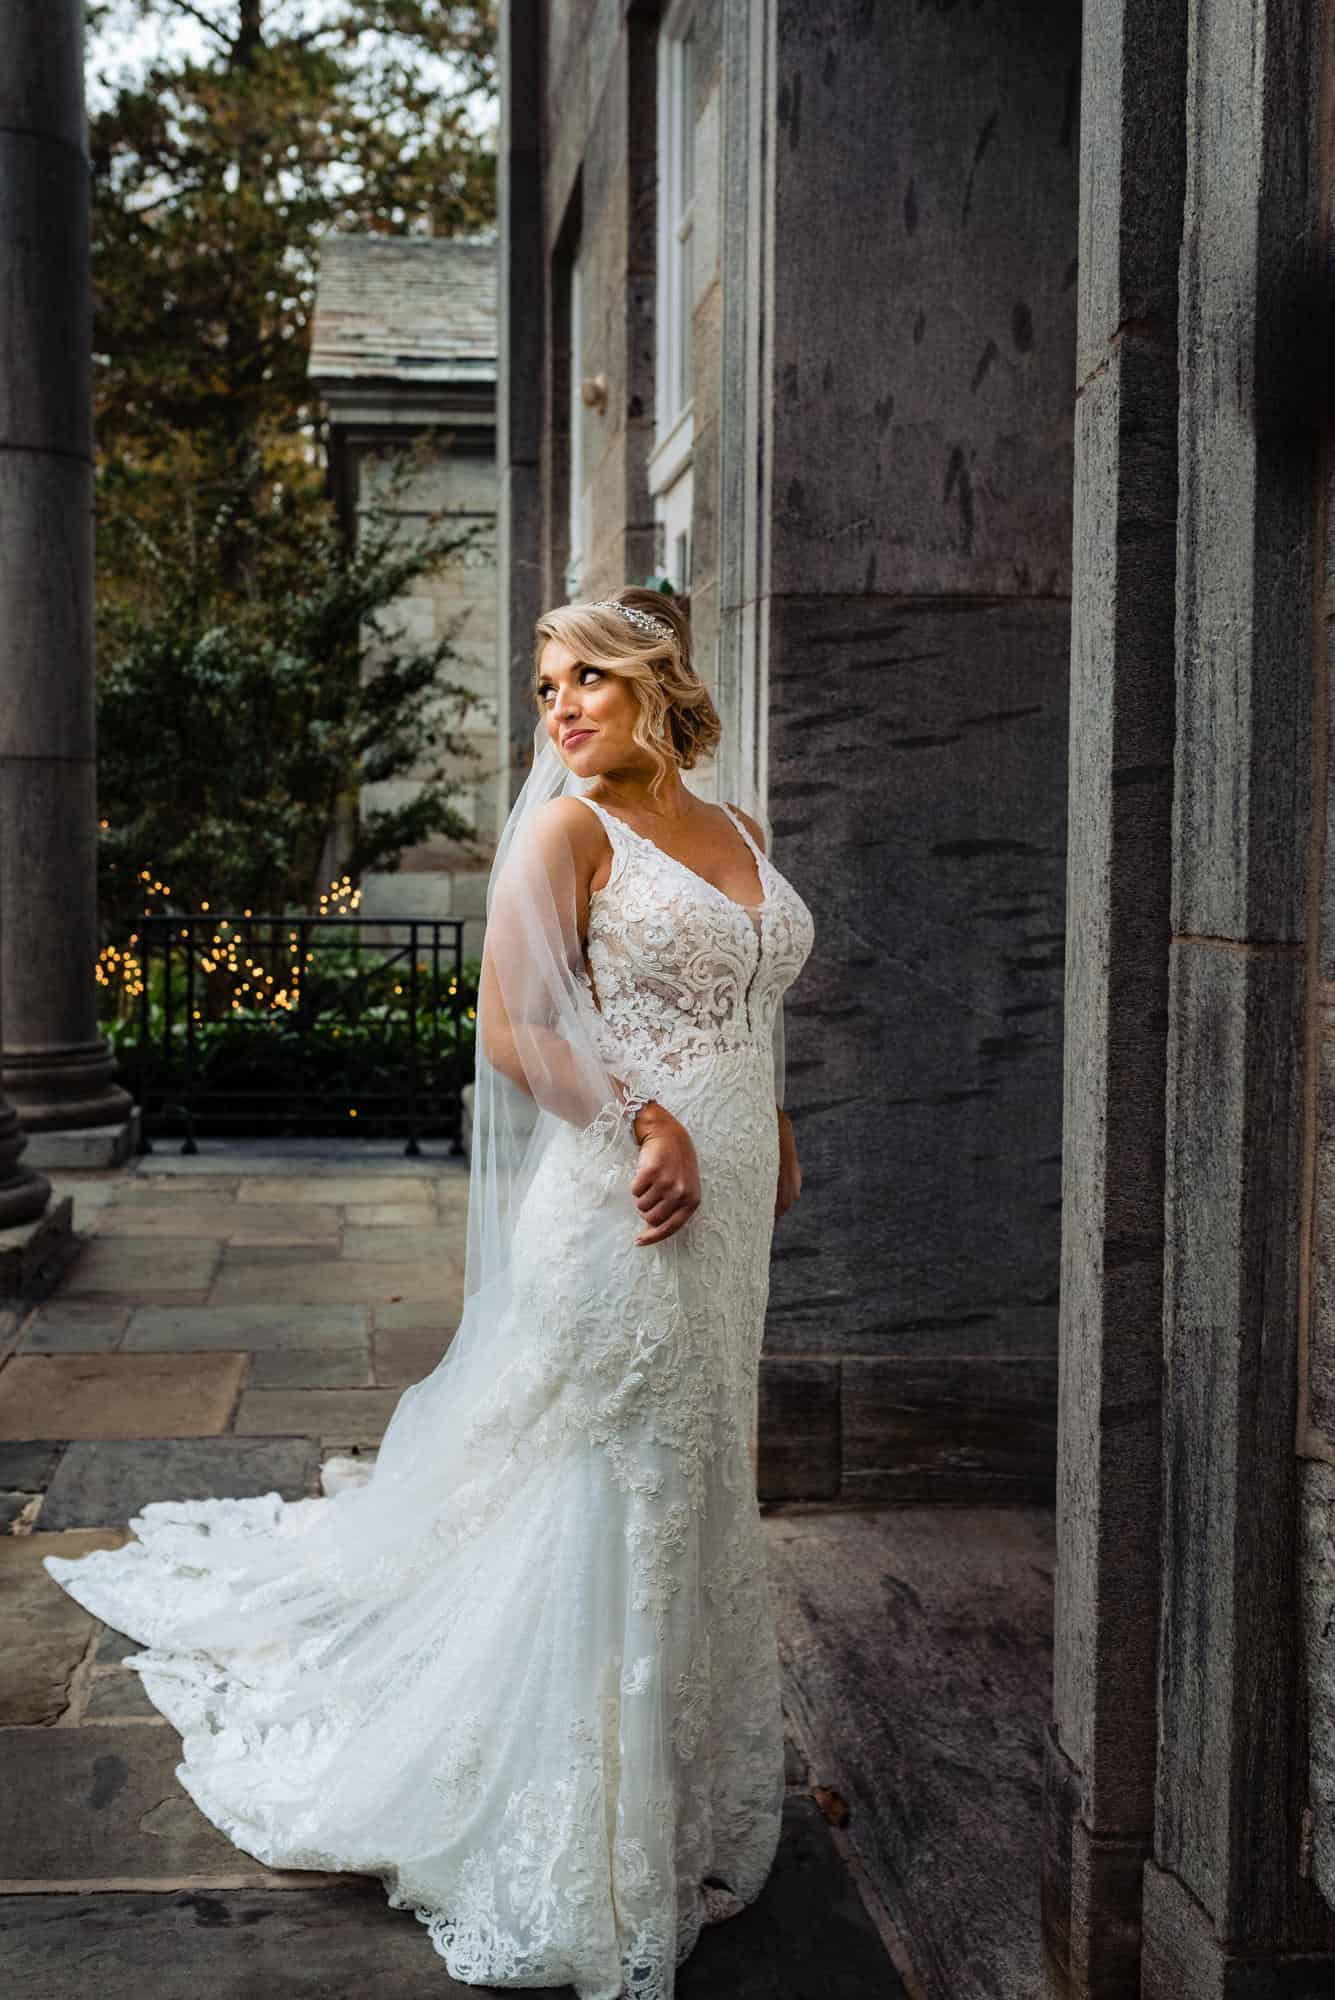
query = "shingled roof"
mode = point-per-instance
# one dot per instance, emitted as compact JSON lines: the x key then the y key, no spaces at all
{"x":405,"y":309}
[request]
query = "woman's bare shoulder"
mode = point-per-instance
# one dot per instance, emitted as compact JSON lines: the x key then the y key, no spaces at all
{"x":563,"y":823}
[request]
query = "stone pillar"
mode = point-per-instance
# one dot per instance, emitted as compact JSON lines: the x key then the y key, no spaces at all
{"x":894,"y":548}
{"x":1316,"y":1333}
{"x":57,"y":1069}
{"x":1229,"y":1905}
{"x":521,"y":309}
{"x":1100,"y":1754}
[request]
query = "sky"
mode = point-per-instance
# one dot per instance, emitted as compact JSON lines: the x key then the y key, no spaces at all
{"x":122,"y":47}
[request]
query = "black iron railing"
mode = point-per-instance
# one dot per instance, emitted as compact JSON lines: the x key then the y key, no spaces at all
{"x":300,"y":1025}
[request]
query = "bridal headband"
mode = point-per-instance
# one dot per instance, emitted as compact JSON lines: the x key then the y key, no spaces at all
{"x":657,"y":628}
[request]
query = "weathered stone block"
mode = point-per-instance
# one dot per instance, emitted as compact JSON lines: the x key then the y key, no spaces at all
{"x":340,"y":1416}
{"x":107,"y":1482}
{"x":977,"y":1427}
{"x":799,"y":1427}
{"x":318,"y":1281}
{"x":74,"y":1327}
{"x":223,"y":1943}
{"x":44,"y":1634}
{"x":104,"y":1805}
{"x":118,"y":1395}
{"x":259,"y":1327}
{"x":406,"y":1354}
{"x":141,"y":1266}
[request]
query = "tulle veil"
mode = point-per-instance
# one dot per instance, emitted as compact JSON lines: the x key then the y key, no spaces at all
{"x":453,"y":1456}
{"x":557,"y":1068}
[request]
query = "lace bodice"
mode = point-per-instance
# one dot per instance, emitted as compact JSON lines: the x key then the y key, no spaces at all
{"x":682,"y":972}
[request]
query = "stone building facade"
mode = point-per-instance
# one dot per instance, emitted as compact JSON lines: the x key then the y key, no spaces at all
{"x":968,"y":367}
{"x":403,"y":346}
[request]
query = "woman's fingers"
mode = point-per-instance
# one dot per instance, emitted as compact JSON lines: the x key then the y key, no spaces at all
{"x":664,"y":1216}
{"x":669,"y":1228}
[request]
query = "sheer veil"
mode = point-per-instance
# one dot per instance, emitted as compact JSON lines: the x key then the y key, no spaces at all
{"x":548,"y":1095}
{"x":449,"y":1621}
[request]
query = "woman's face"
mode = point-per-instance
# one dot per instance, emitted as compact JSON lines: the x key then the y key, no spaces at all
{"x":590,"y":713}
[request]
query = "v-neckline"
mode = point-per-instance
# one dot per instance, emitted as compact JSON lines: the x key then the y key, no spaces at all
{"x":748,"y":909}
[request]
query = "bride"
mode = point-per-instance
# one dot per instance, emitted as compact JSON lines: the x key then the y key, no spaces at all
{"x":525,"y":1671}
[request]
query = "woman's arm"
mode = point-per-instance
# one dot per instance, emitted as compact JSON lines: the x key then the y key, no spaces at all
{"x":790,"y":1171}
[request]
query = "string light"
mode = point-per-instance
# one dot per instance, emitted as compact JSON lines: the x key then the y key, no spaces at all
{"x":253,"y":988}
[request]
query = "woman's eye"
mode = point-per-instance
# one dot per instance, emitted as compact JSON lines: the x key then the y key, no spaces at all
{"x":597,"y":672}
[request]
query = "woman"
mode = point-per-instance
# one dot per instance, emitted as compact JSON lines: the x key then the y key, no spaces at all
{"x":526,"y":1671}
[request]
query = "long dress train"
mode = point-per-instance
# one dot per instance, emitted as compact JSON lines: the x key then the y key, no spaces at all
{"x":527,"y":1673}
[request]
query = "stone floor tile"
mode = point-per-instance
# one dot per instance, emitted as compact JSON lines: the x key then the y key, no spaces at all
{"x":954,"y":1605}
{"x":386,"y":1215}
{"x":107,"y":1482}
{"x":254,"y":1327}
{"x":204,"y":1943}
{"x":141,"y":1266}
{"x":104,"y":1805}
{"x":149,"y":1185}
{"x":88,"y":1326}
{"x":311,"y":1368}
{"x":442,"y":1311}
{"x":250,"y":1256}
{"x":117,"y":1695}
{"x":330,"y":1280}
{"x":177,"y":1218}
{"x":340,"y":1188}
{"x":112,"y":1646}
{"x":349,"y":1416}
{"x":118,"y":1395}
{"x":405,"y":1354}
{"x":405,"y":1246}
{"x":807,"y":1933}
{"x":44,"y":1634}
{"x":284,"y":1222}
{"x":91,"y":1199}
{"x":28,"y":1467}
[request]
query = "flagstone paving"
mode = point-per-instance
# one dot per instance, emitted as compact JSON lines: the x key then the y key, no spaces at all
{"x":232,"y":1318}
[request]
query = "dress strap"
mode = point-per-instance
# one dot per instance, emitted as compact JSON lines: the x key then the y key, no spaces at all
{"x":745,"y":832}
{"x":609,"y":820}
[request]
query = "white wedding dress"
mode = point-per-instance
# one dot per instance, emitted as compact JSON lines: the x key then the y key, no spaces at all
{"x":527,"y":1673}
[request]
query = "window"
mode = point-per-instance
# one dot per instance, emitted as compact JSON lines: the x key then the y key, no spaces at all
{"x":669,"y":466}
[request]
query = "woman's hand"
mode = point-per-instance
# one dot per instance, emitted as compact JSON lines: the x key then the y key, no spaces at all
{"x":790,"y":1173}
{"x":666,"y":1185}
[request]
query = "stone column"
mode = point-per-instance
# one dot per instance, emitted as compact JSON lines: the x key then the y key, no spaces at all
{"x":521,"y":329}
{"x":57,"y":1070}
{"x":1100,"y":1754}
{"x":1229,"y":1905}
{"x":894,"y":554}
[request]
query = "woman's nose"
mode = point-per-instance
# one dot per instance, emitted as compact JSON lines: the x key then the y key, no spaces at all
{"x":567,"y":701}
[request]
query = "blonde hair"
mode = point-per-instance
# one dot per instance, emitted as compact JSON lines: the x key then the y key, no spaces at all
{"x":677,"y":723}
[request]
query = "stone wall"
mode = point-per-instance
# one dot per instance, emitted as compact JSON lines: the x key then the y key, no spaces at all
{"x":916,"y":384}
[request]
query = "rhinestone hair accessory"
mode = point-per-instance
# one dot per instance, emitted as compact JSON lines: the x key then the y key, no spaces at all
{"x":657,"y":628}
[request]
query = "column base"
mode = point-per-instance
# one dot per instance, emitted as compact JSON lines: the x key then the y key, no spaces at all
{"x":1090,"y":1888}
{"x":29,"y":1248}
{"x":1183,"y":1959}
{"x":64,"y":1088}
{"x":85,"y":1146}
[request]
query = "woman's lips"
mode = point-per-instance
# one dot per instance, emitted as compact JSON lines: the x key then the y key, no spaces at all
{"x":574,"y":736}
